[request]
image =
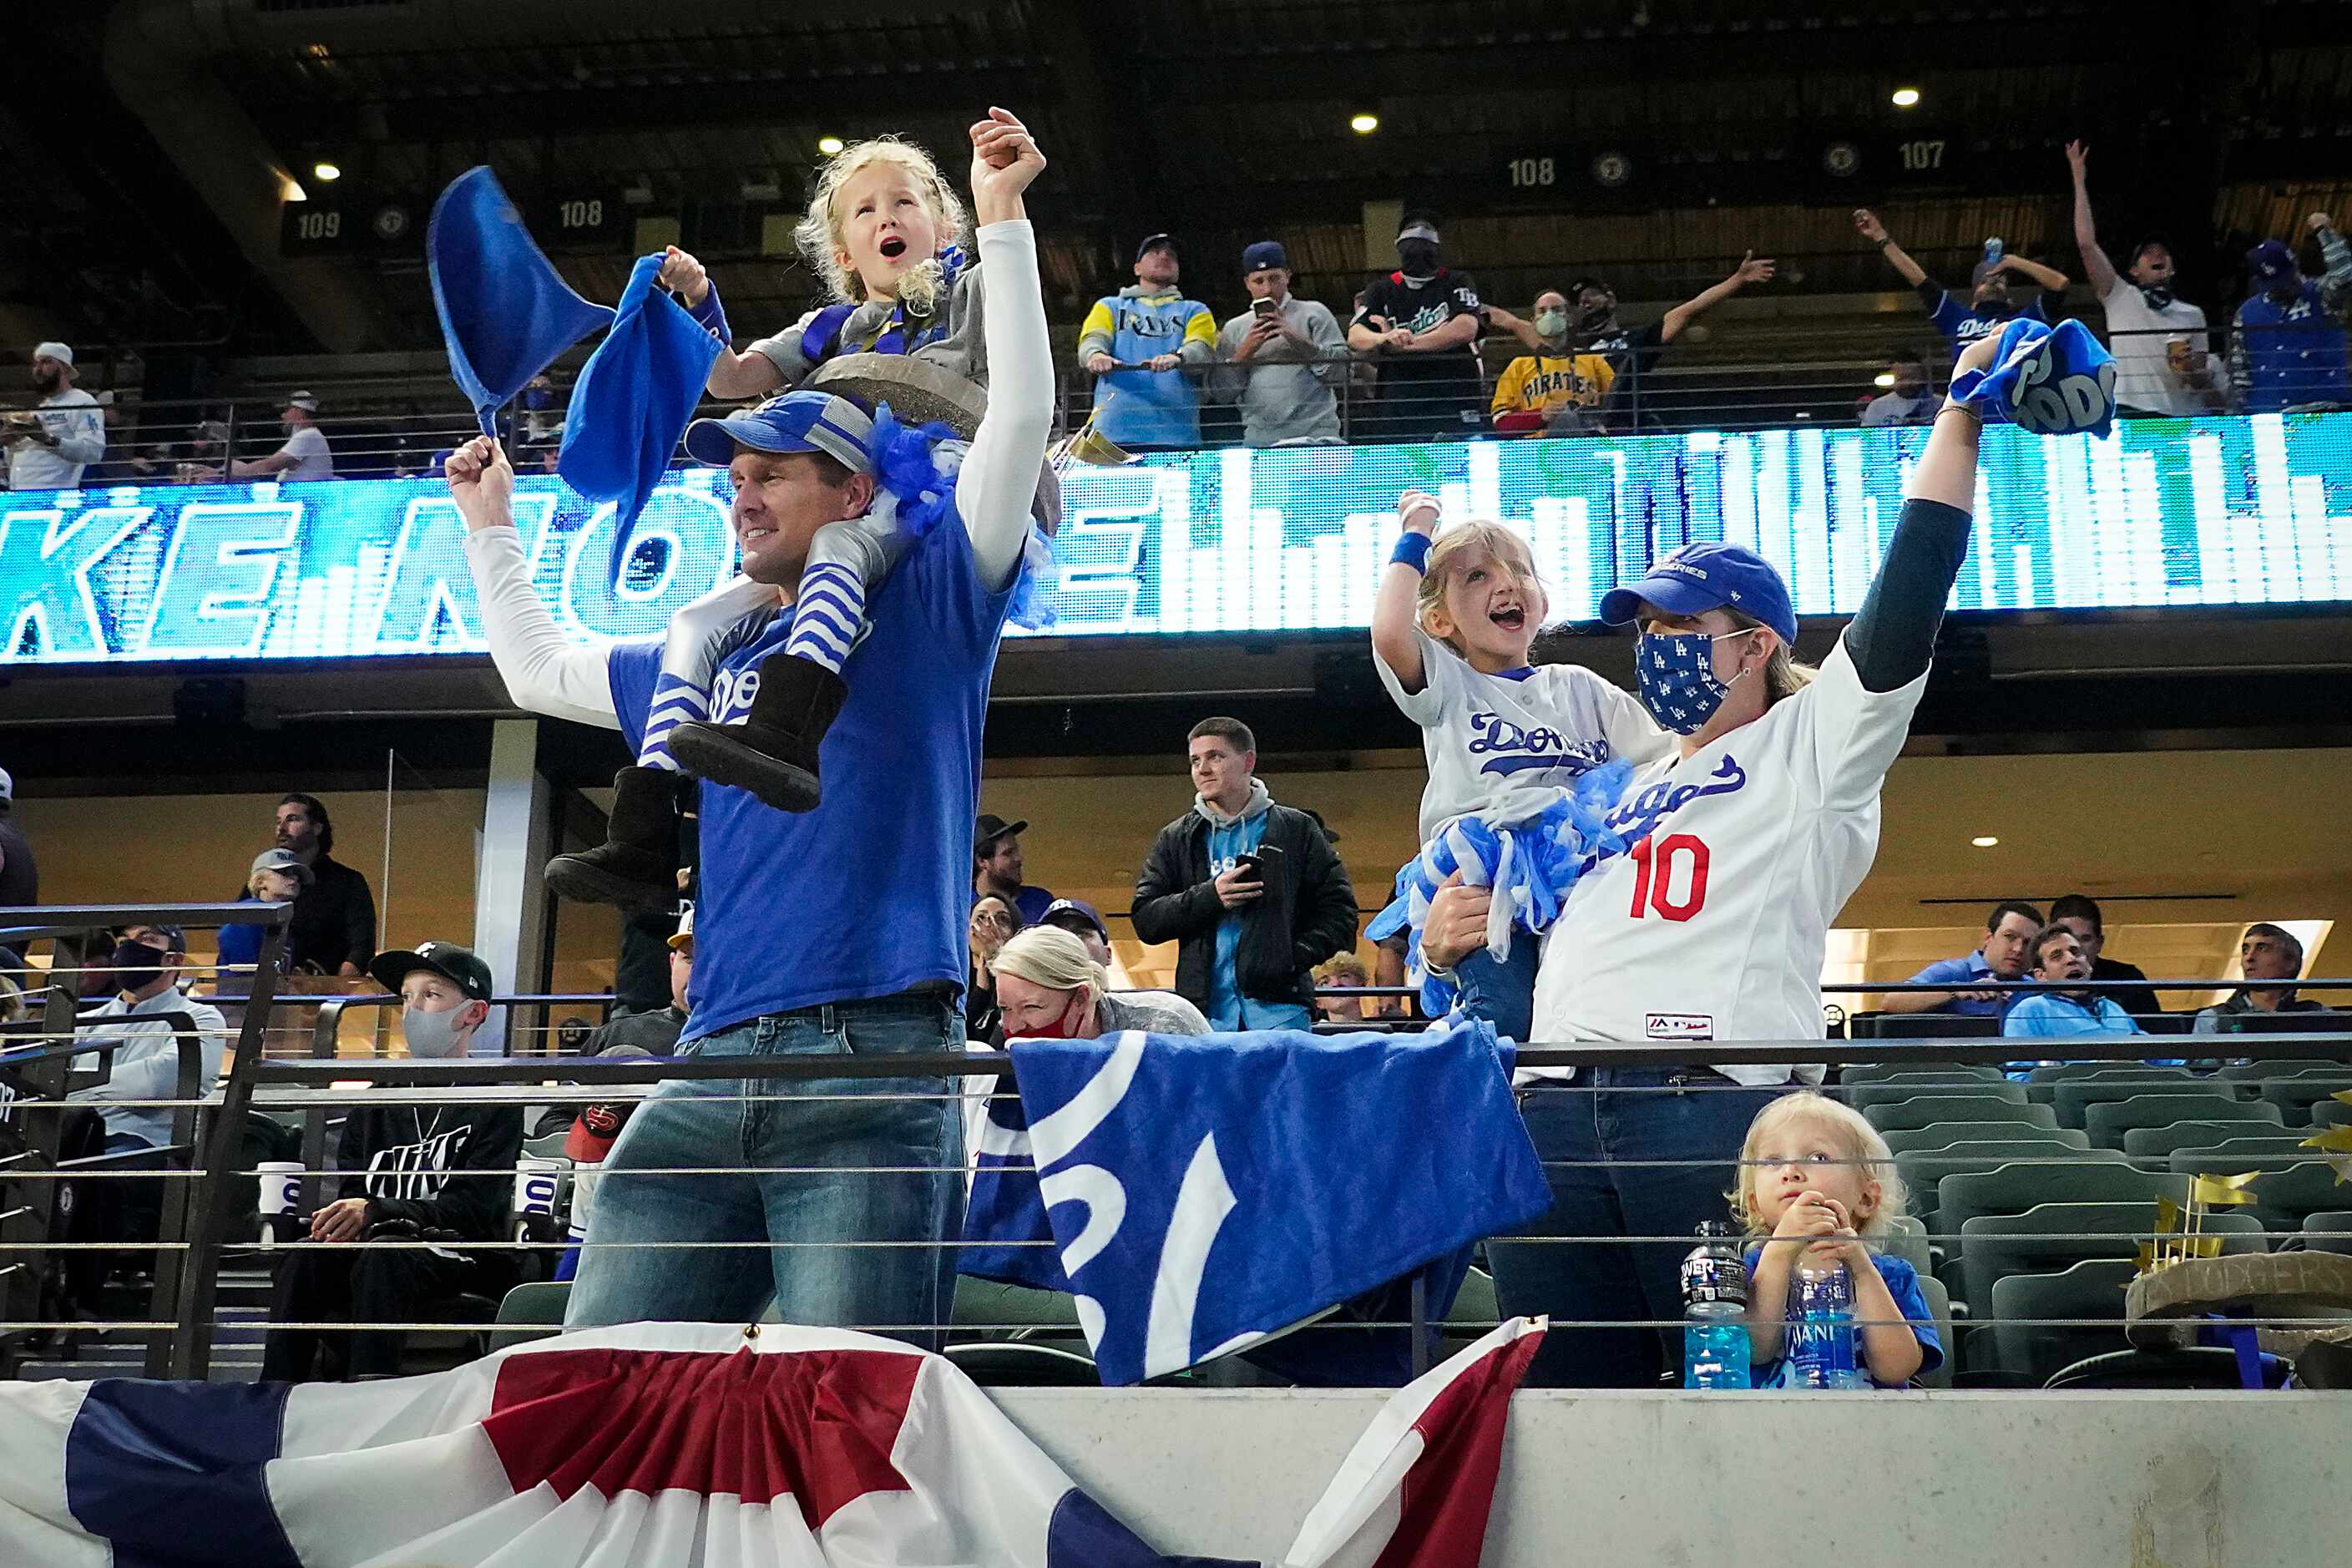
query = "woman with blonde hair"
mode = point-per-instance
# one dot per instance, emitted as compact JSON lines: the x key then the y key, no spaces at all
{"x":1049,"y":988}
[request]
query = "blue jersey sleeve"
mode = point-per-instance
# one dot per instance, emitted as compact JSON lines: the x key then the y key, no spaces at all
{"x":632,"y":668}
{"x":1903,"y":1284}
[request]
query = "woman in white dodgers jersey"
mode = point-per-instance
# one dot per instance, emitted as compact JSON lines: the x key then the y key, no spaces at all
{"x":1744,"y":844}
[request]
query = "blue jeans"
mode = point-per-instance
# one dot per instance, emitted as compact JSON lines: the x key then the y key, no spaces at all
{"x":834,"y":1134}
{"x":1503,"y":993}
{"x":1611,"y":1114}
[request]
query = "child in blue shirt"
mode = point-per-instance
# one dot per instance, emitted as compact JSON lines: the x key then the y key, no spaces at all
{"x":1817,"y":1180}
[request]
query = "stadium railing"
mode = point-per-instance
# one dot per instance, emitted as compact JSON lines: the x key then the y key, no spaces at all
{"x":1953,"y":1081}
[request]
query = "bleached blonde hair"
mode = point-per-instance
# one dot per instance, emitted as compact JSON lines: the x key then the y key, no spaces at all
{"x":1856,"y":1140}
{"x":1053,"y":958}
{"x":1449,"y":556}
{"x":819,"y":234}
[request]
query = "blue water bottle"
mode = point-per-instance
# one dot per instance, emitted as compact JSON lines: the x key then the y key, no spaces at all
{"x":1822,"y":1349}
{"x":1715,"y":1312}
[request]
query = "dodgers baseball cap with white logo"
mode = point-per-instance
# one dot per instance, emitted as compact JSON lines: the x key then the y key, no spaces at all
{"x":1708,"y":576}
{"x":2273,"y":261}
{"x":801,"y":421}
{"x":461,"y":966}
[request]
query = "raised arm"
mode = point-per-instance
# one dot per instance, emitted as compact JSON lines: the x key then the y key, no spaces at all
{"x":1896,"y":256}
{"x":999,"y":480}
{"x":2095,"y":265}
{"x":1396,"y":607}
{"x":543,"y":670}
{"x":1520,"y":327}
{"x":2048,"y":278}
{"x":732,"y":375}
{"x":1753,"y":268}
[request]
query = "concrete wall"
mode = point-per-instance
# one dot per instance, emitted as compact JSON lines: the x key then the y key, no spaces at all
{"x":1940,"y":1480}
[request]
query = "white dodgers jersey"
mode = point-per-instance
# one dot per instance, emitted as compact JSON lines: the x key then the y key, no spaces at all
{"x":1713,"y":924}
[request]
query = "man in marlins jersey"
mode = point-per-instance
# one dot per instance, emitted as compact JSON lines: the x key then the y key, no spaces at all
{"x":834,"y":931}
{"x":1744,"y":843}
{"x":399,"y":1165}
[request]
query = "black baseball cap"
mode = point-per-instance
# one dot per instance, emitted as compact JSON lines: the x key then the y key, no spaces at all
{"x":991,"y":828}
{"x":1265,"y":253}
{"x":461,"y":966}
{"x":1152,"y":242}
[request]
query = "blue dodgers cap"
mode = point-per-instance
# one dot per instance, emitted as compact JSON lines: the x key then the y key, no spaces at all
{"x":1700,"y":578}
{"x":2273,"y":261}
{"x":801,"y":421}
{"x":1265,"y":253}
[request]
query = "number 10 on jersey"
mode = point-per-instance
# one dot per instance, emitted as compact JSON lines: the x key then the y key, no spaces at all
{"x":1663,"y":867}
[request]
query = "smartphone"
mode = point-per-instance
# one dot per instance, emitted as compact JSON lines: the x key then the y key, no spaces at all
{"x":1257,"y":861}
{"x":1263,"y":307}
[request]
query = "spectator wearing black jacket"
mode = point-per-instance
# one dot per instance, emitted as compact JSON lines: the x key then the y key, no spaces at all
{"x":399,"y":1165}
{"x":333,"y":928}
{"x":1251,"y":892}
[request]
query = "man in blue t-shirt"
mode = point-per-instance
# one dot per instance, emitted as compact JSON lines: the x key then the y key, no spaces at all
{"x":2005,"y":954}
{"x":1989,"y":307}
{"x":831,"y":931}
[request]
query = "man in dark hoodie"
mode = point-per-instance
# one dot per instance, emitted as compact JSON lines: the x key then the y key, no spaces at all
{"x":1422,"y":322}
{"x":397,"y":1163}
{"x":1251,"y":892}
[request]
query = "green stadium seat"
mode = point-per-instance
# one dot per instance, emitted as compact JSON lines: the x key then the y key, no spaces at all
{"x":2050,"y":1236}
{"x":2331,"y":1112}
{"x":2025,"y":1356}
{"x":2013,"y":1188}
{"x":1906,"y":1239}
{"x":1913,"y":1086}
{"x":2249,"y":1074}
{"x":2296,"y":1095}
{"x":1879,"y":1072}
{"x":1941,"y":1134}
{"x":2074,"y":1097}
{"x":1939,"y":1306}
{"x":2231,"y":1155}
{"x":1923,"y":1172}
{"x":2108,"y":1120}
{"x":1005,"y":1363}
{"x":2154,"y":1146}
{"x":529,"y":1313}
{"x":2042,"y":1083}
{"x":1928,"y":1110}
{"x":2328,"y":1230}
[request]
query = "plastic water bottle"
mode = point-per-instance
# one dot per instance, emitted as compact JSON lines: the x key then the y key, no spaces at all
{"x":1992,"y":252}
{"x":1715,"y":1312}
{"x":1822,"y":1349}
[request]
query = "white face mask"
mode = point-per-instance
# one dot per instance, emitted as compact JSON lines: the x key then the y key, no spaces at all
{"x":433,"y":1033}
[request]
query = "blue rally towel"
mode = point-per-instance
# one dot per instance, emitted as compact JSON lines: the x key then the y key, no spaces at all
{"x":633,"y":400}
{"x":2049,"y":380}
{"x":1531,"y":860}
{"x":1206,"y":1191}
{"x":505,"y":312}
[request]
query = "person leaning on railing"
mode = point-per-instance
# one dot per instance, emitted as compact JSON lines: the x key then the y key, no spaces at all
{"x":1743,"y":843}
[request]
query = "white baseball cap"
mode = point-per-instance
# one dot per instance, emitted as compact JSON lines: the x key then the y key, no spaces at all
{"x":61,"y":353}
{"x":7,"y":785}
{"x":308,"y":402}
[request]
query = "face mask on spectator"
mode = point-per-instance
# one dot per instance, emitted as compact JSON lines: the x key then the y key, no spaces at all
{"x":137,"y":964}
{"x":433,"y":1033}
{"x":2158,"y":295}
{"x":1679,"y":681}
{"x":1418,"y":258}
{"x":1596,"y":314}
{"x":1066,"y":1025}
{"x":1551,"y":323}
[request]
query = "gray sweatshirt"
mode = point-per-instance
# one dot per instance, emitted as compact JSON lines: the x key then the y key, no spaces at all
{"x":1284,"y":395}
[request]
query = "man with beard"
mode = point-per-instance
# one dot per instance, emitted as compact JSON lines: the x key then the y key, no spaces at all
{"x":1907,"y":400}
{"x":333,"y":926}
{"x":1422,"y":322}
{"x":49,"y":447}
{"x":1990,"y":307}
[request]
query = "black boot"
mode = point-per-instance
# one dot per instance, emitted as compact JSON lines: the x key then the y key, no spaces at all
{"x":772,"y":753}
{"x":636,"y":866}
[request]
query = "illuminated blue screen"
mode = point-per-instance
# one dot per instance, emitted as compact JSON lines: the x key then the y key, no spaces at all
{"x":2213,"y":511}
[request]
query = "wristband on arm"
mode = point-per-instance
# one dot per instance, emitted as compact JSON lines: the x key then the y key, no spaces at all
{"x":1412,"y":550}
{"x":710,"y":313}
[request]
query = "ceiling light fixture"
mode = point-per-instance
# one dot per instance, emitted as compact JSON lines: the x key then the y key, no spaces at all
{"x":1364,"y":124}
{"x":829,"y":145}
{"x":327,"y":172}
{"x":1905,"y":97}
{"x":1984,"y":841}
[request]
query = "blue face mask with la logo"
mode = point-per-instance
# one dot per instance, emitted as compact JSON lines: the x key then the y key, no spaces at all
{"x":1678,"y":683}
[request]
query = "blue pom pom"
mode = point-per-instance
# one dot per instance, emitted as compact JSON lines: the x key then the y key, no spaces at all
{"x":906,"y":467}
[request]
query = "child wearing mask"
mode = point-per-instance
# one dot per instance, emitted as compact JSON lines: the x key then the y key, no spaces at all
{"x":1817,"y":1181}
{"x":1522,"y":762}
{"x":886,"y":232}
{"x":400,"y":1169}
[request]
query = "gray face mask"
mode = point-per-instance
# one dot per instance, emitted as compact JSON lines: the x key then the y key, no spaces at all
{"x":1551,"y":323}
{"x":433,"y":1033}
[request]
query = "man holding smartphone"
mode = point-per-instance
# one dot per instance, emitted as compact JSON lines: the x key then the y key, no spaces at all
{"x":1282,"y":359}
{"x":1251,"y":892}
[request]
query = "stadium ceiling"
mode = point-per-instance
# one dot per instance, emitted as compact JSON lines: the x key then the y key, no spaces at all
{"x":1201,"y":116}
